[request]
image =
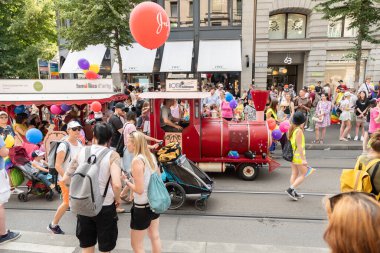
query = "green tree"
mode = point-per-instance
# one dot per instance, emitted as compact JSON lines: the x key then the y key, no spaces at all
{"x":365,"y":16}
{"x":95,"y":22}
{"x":27,"y":32}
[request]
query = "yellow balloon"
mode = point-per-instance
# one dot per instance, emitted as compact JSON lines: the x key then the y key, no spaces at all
{"x":9,"y":141}
{"x":85,"y":71}
{"x":94,"y":68}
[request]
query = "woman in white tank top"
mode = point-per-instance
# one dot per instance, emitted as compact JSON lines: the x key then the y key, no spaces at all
{"x":143,"y":219}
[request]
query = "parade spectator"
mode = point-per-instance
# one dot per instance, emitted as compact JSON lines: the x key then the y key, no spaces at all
{"x":101,"y":229}
{"x":20,"y":127}
{"x":5,"y":129}
{"x":287,"y":106}
{"x":272,"y":110}
{"x":61,"y":165}
{"x":314,"y":99}
{"x":143,"y":219}
{"x":250,"y":111}
{"x":323,"y":110}
{"x":40,"y":165}
{"x":227,"y":112}
{"x":214,"y":110}
{"x":345,"y":116}
{"x":145,"y":118}
{"x":302,"y":103}
{"x":327,"y":90}
{"x":374,"y":123}
{"x":167,"y":121}
{"x":372,"y":104}
{"x":117,"y":123}
{"x":354,"y":221}
{"x":213,"y":99}
{"x":318,"y":88}
{"x":176,"y":109}
{"x":239,"y":110}
{"x":220,"y":89}
{"x":299,"y":163}
{"x":5,"y":193}
{"x":361,"y":110}
{"x":273,"y":94}
{"x":367,"y":87}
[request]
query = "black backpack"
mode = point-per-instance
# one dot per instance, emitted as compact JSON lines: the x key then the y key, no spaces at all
{"x":287,"y":152}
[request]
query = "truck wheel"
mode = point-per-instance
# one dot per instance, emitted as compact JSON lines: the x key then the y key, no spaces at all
{"x":177,"y":195}
{"x":248,"y":171}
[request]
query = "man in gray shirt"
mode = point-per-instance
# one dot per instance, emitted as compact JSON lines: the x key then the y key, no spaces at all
{"x":166,"y":118}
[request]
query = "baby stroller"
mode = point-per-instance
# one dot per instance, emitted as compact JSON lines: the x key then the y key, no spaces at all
{"x":183,"y":178}
{"x":18,"y":156}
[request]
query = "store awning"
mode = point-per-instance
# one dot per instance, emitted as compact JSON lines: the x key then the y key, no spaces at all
{"x":177,"y":56}
{"x":136,"y":59}
{"x":219,"y":56}
{"x":94,"y":54}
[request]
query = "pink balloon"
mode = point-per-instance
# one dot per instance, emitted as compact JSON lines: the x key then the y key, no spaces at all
{"x":284,"y":126}
{"x":55,"y":109}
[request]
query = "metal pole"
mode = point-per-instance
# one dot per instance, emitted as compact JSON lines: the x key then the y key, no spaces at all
{"x":254,"y":39}
{"x":38,"y":68}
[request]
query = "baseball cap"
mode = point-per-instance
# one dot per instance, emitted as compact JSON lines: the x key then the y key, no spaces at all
{"x":120,"y":105}
{"x":73,"y":124}
{"x":37,"y":153}
{"x":98,"y":115}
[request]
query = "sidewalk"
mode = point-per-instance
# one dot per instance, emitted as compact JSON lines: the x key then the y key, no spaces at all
{"x":331,"y":141}
{"x":47,"y":243}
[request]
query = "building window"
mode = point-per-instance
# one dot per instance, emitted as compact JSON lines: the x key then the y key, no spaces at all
{"x":340,"y":28}
{"x":287,"y":26}
{"x":220,"y":12}
{"x":180,"y":12}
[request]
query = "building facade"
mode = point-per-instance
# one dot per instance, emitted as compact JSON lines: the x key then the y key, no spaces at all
{"x":295,"y":45}
{"x":234,"y":42}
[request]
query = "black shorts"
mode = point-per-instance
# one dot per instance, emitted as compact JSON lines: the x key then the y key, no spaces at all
{"x":101,"y":228}
{"x":142,"y":216}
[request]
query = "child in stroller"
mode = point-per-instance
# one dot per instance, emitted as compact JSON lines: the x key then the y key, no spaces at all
{"x":40,"y":166}
{"x":38,"y":183}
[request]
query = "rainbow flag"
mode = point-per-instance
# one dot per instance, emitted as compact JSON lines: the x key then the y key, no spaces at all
{"x":334,"y":116}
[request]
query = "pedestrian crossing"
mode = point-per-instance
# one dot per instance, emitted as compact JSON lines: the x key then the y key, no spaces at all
{"x":33,"y":242}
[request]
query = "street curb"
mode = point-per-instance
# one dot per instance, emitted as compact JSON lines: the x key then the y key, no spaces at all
{"x":333,"y":147}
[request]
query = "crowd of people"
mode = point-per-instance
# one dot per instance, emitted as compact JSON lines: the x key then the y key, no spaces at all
{"x":126,"y":178}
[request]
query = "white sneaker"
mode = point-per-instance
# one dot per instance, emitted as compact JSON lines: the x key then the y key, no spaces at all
{"x":16,"y":191}
{"x":362,"y":138}
{"x":309,"y":130}
{"x":356,"y":138}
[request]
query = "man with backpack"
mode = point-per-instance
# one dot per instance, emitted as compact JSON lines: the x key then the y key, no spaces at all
{"x":117,"y":122}
{"x":94,"y":198}
{"x":64,"y":152}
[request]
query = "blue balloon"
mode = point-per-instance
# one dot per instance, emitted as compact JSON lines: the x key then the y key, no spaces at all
{"x":229,"y":97}
{"x":233,"y":104}
{"x":277,"y":134}
{"x":34,"y":136}
{"x":65,"y":107}
{"x":19,"y":109}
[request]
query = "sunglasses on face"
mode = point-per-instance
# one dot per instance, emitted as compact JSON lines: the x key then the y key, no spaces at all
{"x":335,"y":199}
{"x":76,"y":129}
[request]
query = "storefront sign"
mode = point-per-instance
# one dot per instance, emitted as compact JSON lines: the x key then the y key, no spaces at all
{"x":54,"y":71}
{"x":288,"y":60}
{"x":28,"y":86}
{"x":173,"y":137}
{"x":181,"y":85}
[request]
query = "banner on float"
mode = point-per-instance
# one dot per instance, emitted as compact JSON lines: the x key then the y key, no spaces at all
{"x":181,"y":85}
{"x":62,"y":86}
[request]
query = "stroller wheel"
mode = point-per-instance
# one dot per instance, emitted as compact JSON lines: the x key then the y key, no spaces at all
{"x":177,"y":195}
{"x":201,"y":204}
{"x":23,"y":197}
{"x":49,"y":196}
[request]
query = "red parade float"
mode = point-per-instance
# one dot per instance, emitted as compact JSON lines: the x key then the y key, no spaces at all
{"x":207,"y":141}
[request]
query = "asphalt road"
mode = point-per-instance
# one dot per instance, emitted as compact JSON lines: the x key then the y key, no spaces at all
{"x":238,"y":212}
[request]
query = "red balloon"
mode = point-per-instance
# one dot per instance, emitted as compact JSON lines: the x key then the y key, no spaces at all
{"x":91,"y":75}
{"x":271,"y":124}
{"x":149,"y":24}
{"x":96,"y":106}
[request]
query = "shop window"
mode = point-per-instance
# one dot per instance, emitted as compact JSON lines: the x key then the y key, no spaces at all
{"x":287,"y":26}
{"x":340,"y":28}
{"x":220,"y":12}
{"x":191,"y":11}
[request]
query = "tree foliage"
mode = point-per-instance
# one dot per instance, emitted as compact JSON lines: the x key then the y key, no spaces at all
{"x":95,"y":22}
{"x":27,"y":32}
{"x":365,"y":16}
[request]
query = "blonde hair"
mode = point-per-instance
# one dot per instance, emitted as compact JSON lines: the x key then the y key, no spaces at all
{"x":354,"y":225}
{"x":141,"y":148}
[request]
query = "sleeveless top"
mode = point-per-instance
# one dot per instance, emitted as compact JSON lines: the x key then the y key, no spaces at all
{"x":226,"y":110}
{"x":296,"y":155}
{"x":142,"y":199}
{"x":287,"y":109}
{"x":274,"y":115}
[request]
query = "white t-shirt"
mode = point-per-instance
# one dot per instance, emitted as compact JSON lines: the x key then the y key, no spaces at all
{"x":104,"y":173}
{"x":367,"y":88}
{"x":353,"y":100}
{"x":74,"y":150}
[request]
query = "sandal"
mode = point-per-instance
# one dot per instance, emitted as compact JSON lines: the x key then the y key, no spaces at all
{"x":316,"y":142}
